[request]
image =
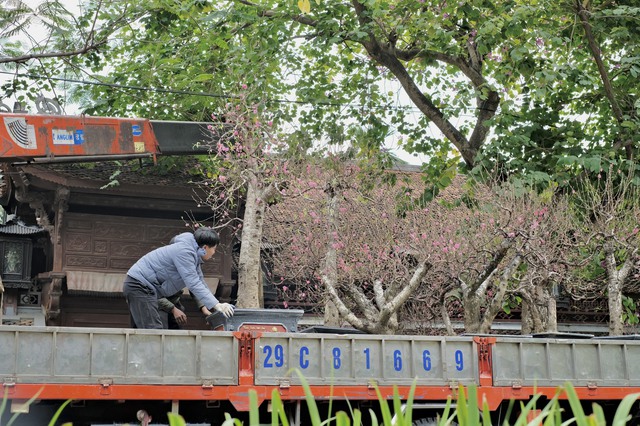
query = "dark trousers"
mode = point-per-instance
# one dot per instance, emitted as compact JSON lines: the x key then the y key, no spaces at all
{"x":143,"y":304}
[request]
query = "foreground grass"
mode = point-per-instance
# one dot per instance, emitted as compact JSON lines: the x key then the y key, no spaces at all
{"x":465,"y":412}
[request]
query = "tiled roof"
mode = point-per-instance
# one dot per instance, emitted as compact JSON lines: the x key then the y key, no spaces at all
{"x":168,"y":172}
{"x":171,"y":179}
{"x":19,"y":228}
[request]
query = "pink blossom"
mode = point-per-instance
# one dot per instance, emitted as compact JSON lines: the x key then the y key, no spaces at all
{"x":285,"y":304}
{"x":244,"y":87}
{"x":222,"y":179}
{"x":285,"y":288}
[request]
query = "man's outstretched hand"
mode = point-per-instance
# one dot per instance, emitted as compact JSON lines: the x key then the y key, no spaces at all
{"x":226,"y":309}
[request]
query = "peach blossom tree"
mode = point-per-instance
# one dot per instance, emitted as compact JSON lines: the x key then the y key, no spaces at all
{"x":370,"y":260}
{"x":245,"y":174}
{"x":608,"y":209}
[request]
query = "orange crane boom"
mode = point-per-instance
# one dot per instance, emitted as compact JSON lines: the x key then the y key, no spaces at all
{"x":56,"y":138}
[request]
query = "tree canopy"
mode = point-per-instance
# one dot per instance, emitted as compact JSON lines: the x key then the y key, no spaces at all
{"x":542,"y":89}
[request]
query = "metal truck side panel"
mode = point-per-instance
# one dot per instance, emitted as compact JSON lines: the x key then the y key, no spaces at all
{"x":325,"y":359}
{"x":121,"y":356}
{"x":552,"y":362}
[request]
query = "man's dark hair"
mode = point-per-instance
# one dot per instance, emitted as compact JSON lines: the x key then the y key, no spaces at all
{"x":206,"y":237}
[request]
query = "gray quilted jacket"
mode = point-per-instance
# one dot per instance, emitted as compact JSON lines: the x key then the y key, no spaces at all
{"x":171,"y":268}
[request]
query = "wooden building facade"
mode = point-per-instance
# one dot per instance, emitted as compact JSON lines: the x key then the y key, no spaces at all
{"x":88,"y":231}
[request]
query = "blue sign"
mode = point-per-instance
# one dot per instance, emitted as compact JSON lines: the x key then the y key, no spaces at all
{"x":78,"y":137}
{"x":136,"y":130}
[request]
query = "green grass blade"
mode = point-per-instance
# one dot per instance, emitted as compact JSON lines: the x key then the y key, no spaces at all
{"x":445,"y":413}
{"x":311,"y":402}
{"x":462,"y":408}
{"x":472,"y":406}
{"x":29,"y":402}
{"x":622,"y":412}
{"x":598,"y":415}
{"x":175,"y":419}
{"x":384,"y":407}
{"x":397,"y":407}
{"x":55,"y":417}
{"x":277,"y":410}
{"x":507,"y":415}
{"x":5,"y":398}
{"x":486,"y":413}
{"x":357,"y":417}
{"x":254,"y":413}
{"x":356,"y":414}
{"x":342,"y":419}
{"x":408,"y":414}
{"x":525,"y":409}
{"x":552,"y":412}
{"x":229,"y":421}
{"x":374,"y":419}
{"x":576,"y":406}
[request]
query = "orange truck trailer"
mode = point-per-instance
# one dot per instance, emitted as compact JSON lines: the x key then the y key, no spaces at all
{"x":111,"y":375}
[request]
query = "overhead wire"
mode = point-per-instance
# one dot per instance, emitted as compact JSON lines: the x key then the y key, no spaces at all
{"x":187,"y":92}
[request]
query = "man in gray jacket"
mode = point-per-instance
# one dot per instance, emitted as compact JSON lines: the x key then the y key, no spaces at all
{"x":167,"y":270}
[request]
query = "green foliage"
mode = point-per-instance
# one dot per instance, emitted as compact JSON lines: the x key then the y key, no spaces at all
{"x":506,"y":86}
{"x":52,"y":422}
{"x":466,"y":411}
{"x":630,"y":311}
{"x":510,"y":302}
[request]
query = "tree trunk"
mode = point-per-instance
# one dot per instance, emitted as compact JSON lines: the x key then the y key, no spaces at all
{"x":552,"y":324}
{"x":527,"y":317}
{"x":446,"y":319}
{"x":616,"y":278}
{"x":249,"y":282}
{"x":331,"y":314}
{"x":539,"y":310}
{"x":614,"y":288}
{"x":472,"y":314}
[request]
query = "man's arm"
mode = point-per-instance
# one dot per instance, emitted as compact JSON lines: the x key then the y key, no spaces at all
{"x":168,"y":304}
{"x":201,"y":307}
